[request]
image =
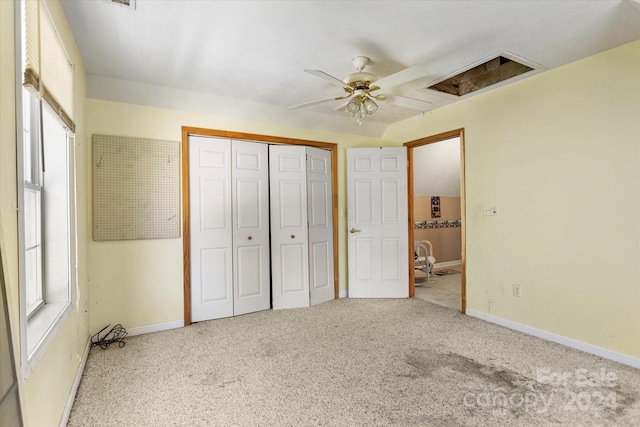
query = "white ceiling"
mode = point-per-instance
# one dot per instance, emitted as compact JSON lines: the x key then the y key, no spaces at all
{"x":246,"y":58}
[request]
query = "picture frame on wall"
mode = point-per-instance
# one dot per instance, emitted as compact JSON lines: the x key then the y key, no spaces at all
{"x":435,"y":207}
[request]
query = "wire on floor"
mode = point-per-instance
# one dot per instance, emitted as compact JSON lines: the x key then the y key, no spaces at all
{"x":116,"y":334}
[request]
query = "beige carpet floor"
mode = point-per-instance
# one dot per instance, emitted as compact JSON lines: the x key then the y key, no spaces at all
{"x":352,"y":363}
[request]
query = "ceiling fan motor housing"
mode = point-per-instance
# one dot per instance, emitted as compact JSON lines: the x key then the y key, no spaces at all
{"x":360,"y":78}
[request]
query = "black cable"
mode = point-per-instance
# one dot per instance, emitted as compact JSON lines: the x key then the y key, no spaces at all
{"x":116,"y":334}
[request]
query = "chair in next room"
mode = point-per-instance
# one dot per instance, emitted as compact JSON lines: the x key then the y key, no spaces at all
{"x":423,"y":258}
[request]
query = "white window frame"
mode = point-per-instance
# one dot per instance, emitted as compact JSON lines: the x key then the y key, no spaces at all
{"x":38,"y":327}
{"x":32,"y":180}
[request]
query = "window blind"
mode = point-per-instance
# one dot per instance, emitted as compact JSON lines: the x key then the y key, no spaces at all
{"x":47,"y":68}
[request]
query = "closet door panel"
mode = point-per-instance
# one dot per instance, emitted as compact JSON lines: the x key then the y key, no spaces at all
{"x":212,"y":197}
{"x":247,"y":196}
{"x":250,"y":176}
{"x":289,"y":240}
{"x":319,"y":206}
{"x":249,"y":280}
{"x":291,"y":194}
{"x":214,"y":263}
{"x":211,"y":228}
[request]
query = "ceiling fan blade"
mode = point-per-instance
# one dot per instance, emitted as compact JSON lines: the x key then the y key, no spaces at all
{"x":342,"y":106}
{"x":318,"y":101}
{"x":411,"y":103}
{"x":401,"y":77}
{"x":327,"y":77}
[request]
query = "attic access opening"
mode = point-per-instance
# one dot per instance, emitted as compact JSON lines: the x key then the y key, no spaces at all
{"x":131,"y":4}
{"x":486,"y":74}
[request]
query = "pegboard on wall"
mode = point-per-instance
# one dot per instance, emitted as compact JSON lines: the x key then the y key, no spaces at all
{"x":136,"y":188}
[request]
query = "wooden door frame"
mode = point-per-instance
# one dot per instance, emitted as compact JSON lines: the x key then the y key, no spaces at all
{"x":216,"y":133}
{"x":418,"y":143}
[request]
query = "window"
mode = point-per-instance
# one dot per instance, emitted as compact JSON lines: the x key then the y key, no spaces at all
{"x":32,"y":204}
{"x":46,"y":220}
{"x":45,"y":176}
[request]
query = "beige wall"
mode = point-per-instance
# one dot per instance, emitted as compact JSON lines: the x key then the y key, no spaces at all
{"x":139,"y":283}
{"x":46,"y":390}
{"x":552,"y":151}
{"x":446,"y":241}
{"x":449,"y":208}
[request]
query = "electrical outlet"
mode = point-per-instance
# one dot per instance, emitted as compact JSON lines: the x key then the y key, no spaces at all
{"x":490,"y":210}
{"x":517,"y":290}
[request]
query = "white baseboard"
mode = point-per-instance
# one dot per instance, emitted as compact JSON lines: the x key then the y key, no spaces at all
{"x":155,"y":328}
{"x":76,"y":384}
{"x":343,"y":294}
{"x":549,"y":336}
{"x":447,"y":264}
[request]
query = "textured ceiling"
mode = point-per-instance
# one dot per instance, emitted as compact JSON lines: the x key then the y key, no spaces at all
{"x":247,"y":58}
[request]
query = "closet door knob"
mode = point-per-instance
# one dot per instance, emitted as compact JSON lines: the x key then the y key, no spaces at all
{"x":249,"y":237}
{"x":293,"y":236}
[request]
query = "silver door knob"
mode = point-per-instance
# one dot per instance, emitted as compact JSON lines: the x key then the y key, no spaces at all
{"x":354,"y":230}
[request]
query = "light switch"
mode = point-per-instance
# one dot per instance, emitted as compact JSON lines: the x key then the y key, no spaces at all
{"x":491,"y":210}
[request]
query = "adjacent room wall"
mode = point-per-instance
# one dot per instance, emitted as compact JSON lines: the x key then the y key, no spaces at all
{"x":46,"y":390}
{"x":138,"y":283}
{"x":556,"y":152}
{"x":447,"y":242}
{"x":436,"y":168}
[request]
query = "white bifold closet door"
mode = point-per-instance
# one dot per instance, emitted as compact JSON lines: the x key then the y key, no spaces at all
{"x":301,"y":226}
{"x":229,"y":234}
{"x":250,"y":205}
{"x":320,"y":220}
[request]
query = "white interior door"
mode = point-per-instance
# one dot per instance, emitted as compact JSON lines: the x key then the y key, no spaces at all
{"x":250,"y":194}
{"x":289,"y":241}
{"x":211,"y":228}
{"x":377,"y":222}
{"x":320,"y":219}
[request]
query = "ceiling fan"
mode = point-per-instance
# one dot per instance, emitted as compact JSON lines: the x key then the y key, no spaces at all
{"x":361,"y":85}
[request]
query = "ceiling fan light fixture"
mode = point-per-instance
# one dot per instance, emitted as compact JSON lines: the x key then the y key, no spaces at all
{"x":360,"y":107}
{"x":369,"y":106}
{"x":354,"y":105}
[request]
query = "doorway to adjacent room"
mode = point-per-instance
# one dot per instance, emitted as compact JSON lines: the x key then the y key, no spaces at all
{"x":437,"y":219}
